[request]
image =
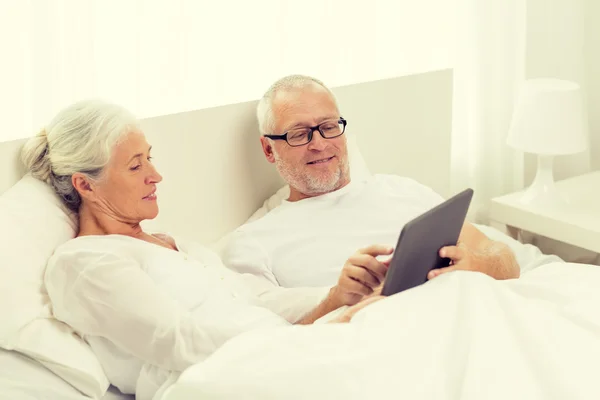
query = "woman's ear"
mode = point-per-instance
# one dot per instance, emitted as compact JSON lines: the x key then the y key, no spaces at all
{"x":267,"y":149}
{"x":83,"y":185}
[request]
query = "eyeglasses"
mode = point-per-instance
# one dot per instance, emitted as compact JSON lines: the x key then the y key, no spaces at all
{"x":301,"y":136}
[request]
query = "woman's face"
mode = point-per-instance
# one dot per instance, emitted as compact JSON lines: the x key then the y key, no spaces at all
{"x":127,"y":189}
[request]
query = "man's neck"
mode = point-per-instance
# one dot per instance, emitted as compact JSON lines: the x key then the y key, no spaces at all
{"x":296,"y":195}
{"x":96,"y":222}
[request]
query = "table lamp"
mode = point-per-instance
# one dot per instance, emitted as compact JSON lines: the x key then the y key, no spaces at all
{"x":548,"y":121}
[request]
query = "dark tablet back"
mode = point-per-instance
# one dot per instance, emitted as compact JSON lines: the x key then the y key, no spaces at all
{"x":417,"y":251}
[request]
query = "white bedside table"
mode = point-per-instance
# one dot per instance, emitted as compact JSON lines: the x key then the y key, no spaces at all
{"x":577,"y":224}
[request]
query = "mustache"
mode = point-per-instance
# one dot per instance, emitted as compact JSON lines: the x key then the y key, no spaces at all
{"x":320,"y":155}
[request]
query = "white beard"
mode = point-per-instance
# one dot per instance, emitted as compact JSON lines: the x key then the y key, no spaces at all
{"x":311,"y":184}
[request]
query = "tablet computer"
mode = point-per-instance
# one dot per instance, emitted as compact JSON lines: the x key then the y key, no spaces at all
{"x":417,"y":251}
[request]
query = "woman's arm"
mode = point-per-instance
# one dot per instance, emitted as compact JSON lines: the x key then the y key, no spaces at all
{"x":110,"y":296}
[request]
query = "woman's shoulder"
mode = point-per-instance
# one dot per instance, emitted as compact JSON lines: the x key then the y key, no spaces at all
{"x":87,"y":251}
{"x":107,"y":243}
{"x":89,"y":255}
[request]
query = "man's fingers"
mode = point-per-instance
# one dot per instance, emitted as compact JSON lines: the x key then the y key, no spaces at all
{"x":363,"y":275}
{"x":353,"y":286}
{"x":371,"y":264}
{"x":377,"y":291}
{"x":377,"y":250}
{"x":454,"y":253}
{"x":439,"y":271}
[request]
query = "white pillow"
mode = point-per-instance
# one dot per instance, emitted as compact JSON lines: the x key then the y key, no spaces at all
{"x":33,"y":222}
{"x":358,"y":171}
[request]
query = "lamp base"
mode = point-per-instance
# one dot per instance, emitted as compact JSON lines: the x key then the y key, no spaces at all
{"x":543,"y":191}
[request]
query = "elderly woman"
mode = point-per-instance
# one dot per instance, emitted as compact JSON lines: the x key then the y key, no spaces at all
{"x":146,"y":308}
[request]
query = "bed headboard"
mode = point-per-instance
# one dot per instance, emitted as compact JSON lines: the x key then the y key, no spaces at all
{"x":215,"y":175}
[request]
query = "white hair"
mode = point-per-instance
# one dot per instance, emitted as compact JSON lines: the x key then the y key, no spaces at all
{"x":79,"y":139}
{"x":264,"y":110}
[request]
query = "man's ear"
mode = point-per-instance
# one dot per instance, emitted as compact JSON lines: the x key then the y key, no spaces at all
{"x":83,"y":185}
{"x":267,"y":149}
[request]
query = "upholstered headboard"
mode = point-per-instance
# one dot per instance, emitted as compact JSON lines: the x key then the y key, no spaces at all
{"x":215,"y":175}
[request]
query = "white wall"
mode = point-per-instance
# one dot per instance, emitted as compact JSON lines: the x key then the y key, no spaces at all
{"x":592,"y":76}
{"x":555,"y":49}
{"x":563,"y":42}
{"x":159,"y":57}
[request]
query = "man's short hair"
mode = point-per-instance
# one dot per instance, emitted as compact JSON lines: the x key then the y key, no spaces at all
{"x":264,"y":110}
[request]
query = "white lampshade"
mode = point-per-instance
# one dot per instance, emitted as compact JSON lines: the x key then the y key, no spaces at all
{"x":548,"y":118}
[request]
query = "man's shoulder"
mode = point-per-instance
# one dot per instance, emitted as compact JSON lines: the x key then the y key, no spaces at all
{"x":268,"y":221}
{"x":397,"y":182}
{"x":249,"y":234}
{"x":245,"y":245}
{"x":391,"y":179}
{"x":407,"y":188}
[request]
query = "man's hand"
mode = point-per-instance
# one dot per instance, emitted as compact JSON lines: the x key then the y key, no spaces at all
{"x":361,"y":276}
{"x":493,"y":259}
{"x":460,"y":259}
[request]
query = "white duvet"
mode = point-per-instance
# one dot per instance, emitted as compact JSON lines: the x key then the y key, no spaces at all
{"x":460,"y":336}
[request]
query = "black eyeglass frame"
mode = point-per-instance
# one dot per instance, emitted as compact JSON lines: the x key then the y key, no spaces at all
{"x":310,"y":134}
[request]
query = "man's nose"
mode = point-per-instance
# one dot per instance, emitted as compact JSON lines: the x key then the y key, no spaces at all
{"x":318,"y":142}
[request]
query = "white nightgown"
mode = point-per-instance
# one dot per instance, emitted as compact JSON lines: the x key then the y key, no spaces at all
{"x":149,"y":312}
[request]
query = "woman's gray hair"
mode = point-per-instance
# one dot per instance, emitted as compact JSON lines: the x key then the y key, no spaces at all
{"x":264,"y":110}
{"x":79,"y":139}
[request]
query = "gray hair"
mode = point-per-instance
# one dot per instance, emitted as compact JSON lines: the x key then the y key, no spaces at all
{"x":79,"y":139}
{"x":264,"y":110}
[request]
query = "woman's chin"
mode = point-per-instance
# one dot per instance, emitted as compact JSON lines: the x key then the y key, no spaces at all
{"x":151,"y":214}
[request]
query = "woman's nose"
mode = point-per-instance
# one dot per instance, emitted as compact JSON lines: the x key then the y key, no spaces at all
{"x":154,"y":176}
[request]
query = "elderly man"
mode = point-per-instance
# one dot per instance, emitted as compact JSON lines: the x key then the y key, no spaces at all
{"x":331,"y":231}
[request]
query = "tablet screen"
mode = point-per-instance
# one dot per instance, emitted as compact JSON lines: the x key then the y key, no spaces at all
{"x":417,"y":251}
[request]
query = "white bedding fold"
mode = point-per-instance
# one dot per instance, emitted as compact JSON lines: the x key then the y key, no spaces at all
{"x":461,"y":336}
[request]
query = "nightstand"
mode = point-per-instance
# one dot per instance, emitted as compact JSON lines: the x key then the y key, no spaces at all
{"x":577,"y":223}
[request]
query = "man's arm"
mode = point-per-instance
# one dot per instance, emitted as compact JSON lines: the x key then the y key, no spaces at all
{"x":361,"y":274}
{"x":251,"y":266}
{"x":331,"y":303}
{"x":476,"y":252}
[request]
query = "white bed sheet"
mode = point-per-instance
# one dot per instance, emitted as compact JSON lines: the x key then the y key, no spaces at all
{"x":461,"y":336}
{"x":25,"y":379}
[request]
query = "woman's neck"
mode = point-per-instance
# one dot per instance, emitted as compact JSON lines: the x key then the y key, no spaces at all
{"x":95,"y":222}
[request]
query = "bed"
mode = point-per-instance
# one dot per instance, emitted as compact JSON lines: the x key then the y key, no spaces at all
{"x":357,"y":360}
{"x":461,"y":337}
{"x":24,"y":378}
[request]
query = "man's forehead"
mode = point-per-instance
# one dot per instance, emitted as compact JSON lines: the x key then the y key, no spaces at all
{"x":304,"y":105}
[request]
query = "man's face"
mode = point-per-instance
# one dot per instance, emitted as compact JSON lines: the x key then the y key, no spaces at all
{"x":320,"y":166}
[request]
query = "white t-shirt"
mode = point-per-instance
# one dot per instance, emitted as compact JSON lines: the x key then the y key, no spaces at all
{"x":148,"y":311}
{"x":306,"y":243}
